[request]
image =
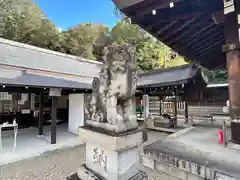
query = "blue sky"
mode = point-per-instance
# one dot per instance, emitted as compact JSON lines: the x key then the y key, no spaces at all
{"x":65,"y":13}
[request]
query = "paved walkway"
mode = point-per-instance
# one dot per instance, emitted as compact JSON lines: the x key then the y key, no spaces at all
{"x":29,"y":145}
{"x":59,"y":164}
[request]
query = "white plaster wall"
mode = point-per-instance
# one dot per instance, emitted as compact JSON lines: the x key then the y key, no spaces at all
{"x":76,"y":112}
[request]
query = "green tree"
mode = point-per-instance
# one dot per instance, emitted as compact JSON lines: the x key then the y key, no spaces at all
{"x":10,"y":10}
{"x":150,"y":52}
{"x":146,"y":52}
{"x":25,"y":22}
{"x":80,"y":39}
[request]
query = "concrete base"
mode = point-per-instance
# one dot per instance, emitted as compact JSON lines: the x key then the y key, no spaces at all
{"x":151,"y":124}
{"x":115,"y":128}
{"x":110,"y":157}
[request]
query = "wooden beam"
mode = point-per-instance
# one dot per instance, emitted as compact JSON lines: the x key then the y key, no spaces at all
{"x":206,"y":42}
{"x":202,"y":33}
{"x":125,"y":4}
{"x":174,"y":43}
{"x":19,"y":89}
{"x":172,"y":20}
{"x":179,"y":28}
{"x":157,"y":5}
{"x":159,"y":18}
{"x":190,"y":41}
{"x":211,"y":53}
{"x":189,"y":32}
{"x":208,"y":47}
{"x":181,"y":9}
{"x":218,"y":17}
{"x":194,"y":35}
{"x":161,"y":30}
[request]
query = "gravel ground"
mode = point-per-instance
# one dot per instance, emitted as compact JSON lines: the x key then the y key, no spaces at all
{"x":57,"y":165}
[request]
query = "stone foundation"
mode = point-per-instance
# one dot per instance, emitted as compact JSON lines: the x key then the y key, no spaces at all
{"x":115,"y":128}
{"x":165,"y":157}
{"x":110,"y":157}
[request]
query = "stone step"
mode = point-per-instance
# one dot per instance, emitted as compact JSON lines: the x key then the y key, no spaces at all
{"x":165,"y":157}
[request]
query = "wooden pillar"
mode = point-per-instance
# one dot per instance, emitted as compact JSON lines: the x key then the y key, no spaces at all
{"x":186,"y":111}
{"x":29,"y":100}
{"x":141,"y":112}
{"x":54,"y":120}
{"x":175,"y":106}
{"x":15,"y":101}
{"x":41,"y":108}
{"x":145,"y":104}
{"x":160,"y":103}
{"x":186,"y":105}
{"x":232,"y":38}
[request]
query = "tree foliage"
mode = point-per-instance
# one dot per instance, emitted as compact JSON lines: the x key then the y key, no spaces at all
{"x":24,"y":21}
{"x":218,"y":76}
{"x":150,"y":52}
{"x":79,"y":39}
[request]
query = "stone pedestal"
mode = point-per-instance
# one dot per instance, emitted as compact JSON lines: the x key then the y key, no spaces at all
{"x":110,"y":157}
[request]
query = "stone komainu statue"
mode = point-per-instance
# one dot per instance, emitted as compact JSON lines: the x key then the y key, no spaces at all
{"x":114,"y":89}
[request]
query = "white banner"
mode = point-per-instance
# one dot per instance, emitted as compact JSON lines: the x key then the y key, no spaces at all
{"x":55,"y":92}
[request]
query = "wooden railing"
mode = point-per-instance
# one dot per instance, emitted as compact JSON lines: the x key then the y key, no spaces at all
{"x":199,"y":112}
{"x":193,"y":110}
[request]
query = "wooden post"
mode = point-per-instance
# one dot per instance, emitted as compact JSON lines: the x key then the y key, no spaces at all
{"x":186,"y":106}
{"x":232,"y":38}
{"x":160,"y":108}
{"x":141,"y":112}
{"x":41,"y":108}
{"x":145,"y":103}
{"x":175,"y":108}
{"x":29,"y":100}
{"x":186,"y":111}
{"x":54,"y":120}
{"x":15,"y":97}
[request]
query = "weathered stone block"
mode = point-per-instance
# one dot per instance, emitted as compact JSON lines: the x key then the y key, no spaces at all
{"x":148,"y":162}
{"x":109,"y":156}
{"x":114,"y":143}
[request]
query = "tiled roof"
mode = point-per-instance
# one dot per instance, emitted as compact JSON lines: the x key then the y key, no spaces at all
{"x":33,"y":80}
{"x":167,"y":77}
{"x":22,"y":55}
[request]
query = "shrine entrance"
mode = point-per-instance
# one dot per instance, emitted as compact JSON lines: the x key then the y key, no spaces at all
{"x":164,"y":98}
